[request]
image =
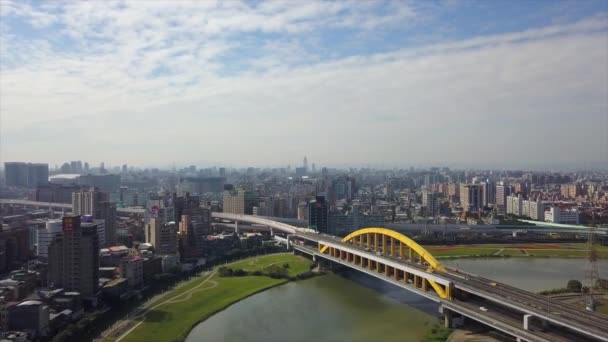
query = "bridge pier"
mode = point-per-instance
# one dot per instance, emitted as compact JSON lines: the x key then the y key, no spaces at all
{"x":447,"y":316}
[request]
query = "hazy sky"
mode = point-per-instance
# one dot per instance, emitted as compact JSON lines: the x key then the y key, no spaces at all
{"x":265,"y":83}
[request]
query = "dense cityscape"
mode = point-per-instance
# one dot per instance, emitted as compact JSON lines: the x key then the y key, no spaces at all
{"x":132,"y":230}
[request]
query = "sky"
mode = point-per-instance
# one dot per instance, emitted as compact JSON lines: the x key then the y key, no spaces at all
{"x":237,"y":83}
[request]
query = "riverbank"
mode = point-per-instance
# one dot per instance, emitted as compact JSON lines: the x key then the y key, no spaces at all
{"x":537,"y":250}
{"x":178,"y":311}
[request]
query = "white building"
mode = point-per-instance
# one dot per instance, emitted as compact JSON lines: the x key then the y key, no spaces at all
{"x":46,"y":236}
{"x":556,"y":215}
{"x":536,"y":210}
{"x":515,"y":205}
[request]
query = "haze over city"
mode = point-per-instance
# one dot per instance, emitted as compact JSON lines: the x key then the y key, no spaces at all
{"x":346,"y":83}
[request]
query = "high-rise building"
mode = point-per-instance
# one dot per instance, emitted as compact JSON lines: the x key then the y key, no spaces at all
{"x":74,"y":258}
{"x":194,"y":226}
{"x":430,"y":203}
{"x":57,"y":193}
{"x":38,"y":174}
{"x":515,"y":205}
{"x":470,"y":197}
{"x":163,"y":236}
{"x":572,"y":190}
{"x":16,"y":173}
{"x":239,"y":201}
{"x":86,"y":202}
{"x":14,"y":246}
{"x":488,"y":193}
{"x":536,"y":210}
{"x":46,"y":235}
{"x":26,"y":174}
{"x":343,"y":187}
{"x":501,"y":196}
{"x":317,"y":214}
{"x":95,"y":203}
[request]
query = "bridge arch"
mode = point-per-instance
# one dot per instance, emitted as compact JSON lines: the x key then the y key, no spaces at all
{"x":392,"y":243}
{"x":404,"y":240}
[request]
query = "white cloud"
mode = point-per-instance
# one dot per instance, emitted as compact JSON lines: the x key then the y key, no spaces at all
{"x":146,"y":84}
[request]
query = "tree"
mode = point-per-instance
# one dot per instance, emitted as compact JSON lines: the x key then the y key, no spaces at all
{"x":574,"y":285}
{"x":286,"y":266}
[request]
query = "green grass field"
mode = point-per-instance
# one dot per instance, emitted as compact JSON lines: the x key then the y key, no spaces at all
{"x":603,"y":308}
{"x":463,"y":251}
{"x":171,"y":317}
{"x":296,"y":265}
{"x":512,"y":252}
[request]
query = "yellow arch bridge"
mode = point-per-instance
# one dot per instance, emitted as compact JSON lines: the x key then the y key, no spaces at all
{"x":388,"y":242}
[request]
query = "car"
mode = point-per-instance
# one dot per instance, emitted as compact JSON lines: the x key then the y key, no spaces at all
{"x":483,"y":308}
{"x":367,"y":249}
{"x":378,"y":253}
{"x":493,"y":284}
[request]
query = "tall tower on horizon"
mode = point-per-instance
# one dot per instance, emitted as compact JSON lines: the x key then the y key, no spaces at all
{"x":305,"y":163}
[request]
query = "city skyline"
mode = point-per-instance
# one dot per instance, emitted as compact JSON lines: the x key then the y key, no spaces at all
{"x":396,"y":84}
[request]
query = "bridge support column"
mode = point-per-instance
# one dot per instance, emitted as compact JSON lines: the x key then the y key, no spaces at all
{"x":527,"y":322}
{"x":401,"y":250}
{"x":447,"y":317}
{"x":392,"y":246}
{"x":376,"y":235}
{"x":384,"y":243}
{"x":425,"y":285}
{"x":411,"y":255}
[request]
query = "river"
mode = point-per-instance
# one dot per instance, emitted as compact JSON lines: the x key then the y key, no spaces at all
{"x":333,"y":308}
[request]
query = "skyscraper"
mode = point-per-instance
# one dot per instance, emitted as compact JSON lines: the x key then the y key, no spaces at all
{"x":26,"y":174}
{"x":16,"y":173}
{"x":95,"y":203}
{"x":38,"y":174}
{"x":317,"y":214}
{"x":239,"y":201}
{"x":74,"y":258}
{"x":488,"y":193}
{"x":470,"y":197}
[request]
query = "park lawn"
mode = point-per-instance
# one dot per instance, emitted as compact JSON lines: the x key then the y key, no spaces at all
{"x":514,"y":252}
{"x":173,"y":321}
{"x":557,"y":253}
{"x":297,"y":264}
{"x":463,"y":251}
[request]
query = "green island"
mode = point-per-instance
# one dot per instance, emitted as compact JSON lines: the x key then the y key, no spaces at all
{"x":542,"y":250}
{"x":172,"y":316}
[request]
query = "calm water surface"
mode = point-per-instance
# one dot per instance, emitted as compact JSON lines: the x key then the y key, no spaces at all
{"x":332,"y":308}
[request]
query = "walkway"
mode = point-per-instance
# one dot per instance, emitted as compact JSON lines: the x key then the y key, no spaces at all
{"x":141,"y":313}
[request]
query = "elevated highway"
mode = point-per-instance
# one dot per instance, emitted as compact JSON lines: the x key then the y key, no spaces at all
{"x":396,"y":259}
